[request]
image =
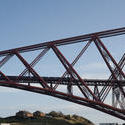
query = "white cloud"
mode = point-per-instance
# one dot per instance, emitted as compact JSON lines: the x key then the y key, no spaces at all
{"x":94,"y":66}
{"x":96,"y":75}
{"x":94,"y":70}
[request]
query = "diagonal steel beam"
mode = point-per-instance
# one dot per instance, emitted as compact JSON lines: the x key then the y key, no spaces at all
{"x":74,"y":62}
{"x":4,"y":76}
{"x":105,"y":53}
{"x":106,"y":89}
{"x":35,"y":61}
{"x":41,"y":80}
{"x":5,"y":59}
{"x":74,"y":75}
{"x":102,"y":47}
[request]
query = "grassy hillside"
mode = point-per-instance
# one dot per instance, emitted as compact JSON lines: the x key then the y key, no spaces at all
{"x":49,"y":119}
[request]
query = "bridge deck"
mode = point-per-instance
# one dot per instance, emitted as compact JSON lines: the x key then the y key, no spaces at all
{"x":62,"y":81}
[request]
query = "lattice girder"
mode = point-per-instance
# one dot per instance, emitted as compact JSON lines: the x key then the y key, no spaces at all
{"x":93,"y":98}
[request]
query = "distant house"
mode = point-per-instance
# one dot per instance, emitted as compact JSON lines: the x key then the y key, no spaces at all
{"x":38,"y":114}
{"x":24,"y":114}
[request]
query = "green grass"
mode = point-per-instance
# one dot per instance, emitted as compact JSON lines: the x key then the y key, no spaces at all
{"x":14,"y":120}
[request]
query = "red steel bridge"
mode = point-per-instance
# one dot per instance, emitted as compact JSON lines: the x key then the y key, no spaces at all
{"x":93,"y":92}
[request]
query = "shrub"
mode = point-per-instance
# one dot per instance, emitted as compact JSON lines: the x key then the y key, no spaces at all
{"x":56,"y":114}
{"x":68,"y":117}
{"x":53,"y":114}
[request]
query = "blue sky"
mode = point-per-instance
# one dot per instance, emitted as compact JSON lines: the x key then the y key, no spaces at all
{"x":26,"y":22}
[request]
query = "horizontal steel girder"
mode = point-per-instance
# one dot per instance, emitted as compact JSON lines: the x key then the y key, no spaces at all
{"x":71,"y":40}
{"x":63,"y":81}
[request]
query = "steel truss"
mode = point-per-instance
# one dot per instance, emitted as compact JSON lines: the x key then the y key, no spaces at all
{"x":92,"y":97}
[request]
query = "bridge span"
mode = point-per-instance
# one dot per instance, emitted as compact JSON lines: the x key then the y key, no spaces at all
{"x":92,"y":92}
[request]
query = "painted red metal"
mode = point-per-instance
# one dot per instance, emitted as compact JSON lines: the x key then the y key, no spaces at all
{"x":74,"y":75}
{"x":74,"y":62}
{"x":106,"y":89}
{"x":34,"y":73}
{"x":35,"y":61}
{"x":94,"y":98}
{"x":82,"y":38}
{"x":105,"y":53}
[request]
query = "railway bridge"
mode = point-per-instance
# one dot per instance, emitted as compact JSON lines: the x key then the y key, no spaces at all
{"x":92,"y":92}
